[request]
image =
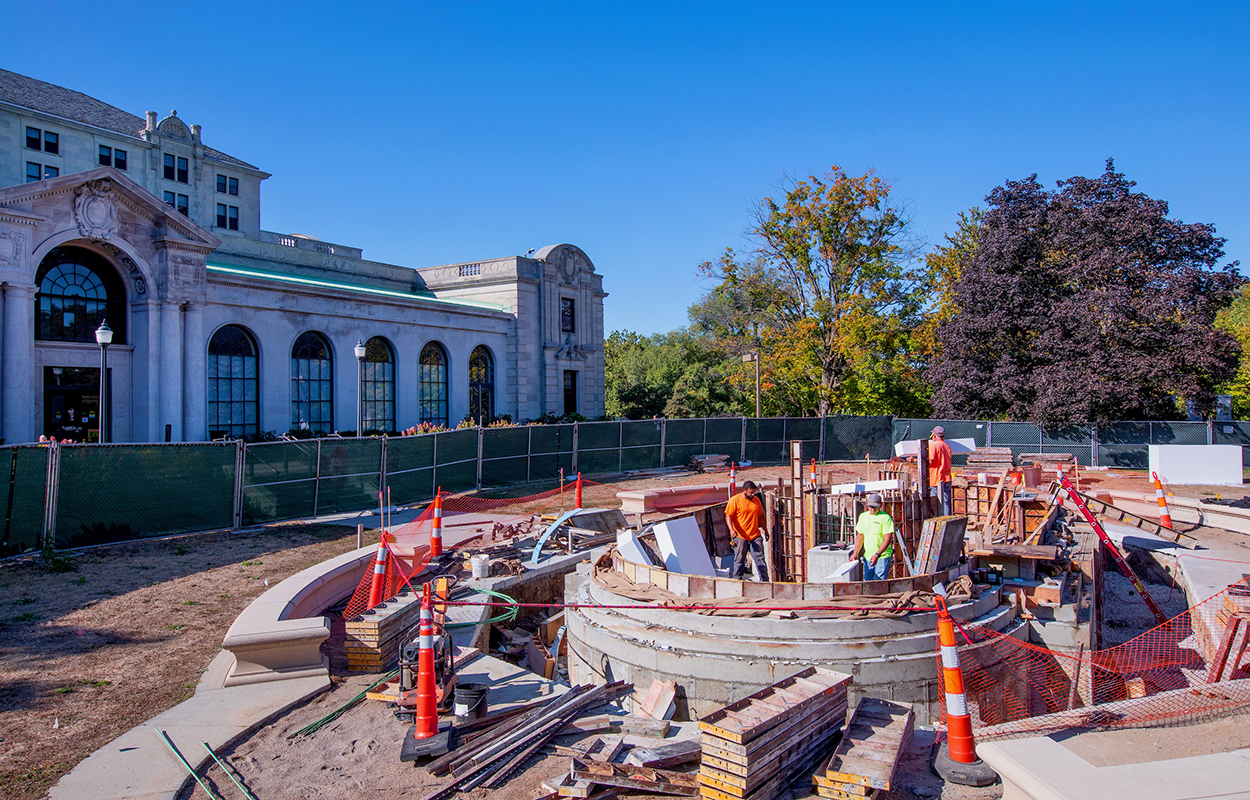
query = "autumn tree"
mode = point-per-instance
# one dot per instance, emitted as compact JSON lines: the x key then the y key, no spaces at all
{"x":831,"y":294}
{"x":1085,"y":304}
{"x":1236,"y":321}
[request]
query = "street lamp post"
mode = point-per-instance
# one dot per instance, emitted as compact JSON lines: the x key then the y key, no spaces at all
{"x":104,"y":337}
{"x":749,"y":357}
{"x":360,"y":387}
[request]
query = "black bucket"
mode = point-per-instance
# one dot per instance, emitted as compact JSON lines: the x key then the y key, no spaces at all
{"x":469,"y":700}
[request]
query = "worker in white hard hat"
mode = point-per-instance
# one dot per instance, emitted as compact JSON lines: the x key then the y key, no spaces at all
{"x":874,"y":536}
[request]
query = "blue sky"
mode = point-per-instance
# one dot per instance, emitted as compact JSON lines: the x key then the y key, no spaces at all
{"x":430,"y":133}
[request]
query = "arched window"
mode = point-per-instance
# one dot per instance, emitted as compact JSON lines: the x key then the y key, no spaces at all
{"x":433,"y":384}
{"x":481,"y":385}
{"x":77,"y":290}
{"x":233,"y":385}
{"x":378,"y":386}
{"x":312,"y":383}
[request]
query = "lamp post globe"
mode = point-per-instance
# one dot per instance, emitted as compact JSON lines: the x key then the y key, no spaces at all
{"x":104,"y":338}
{"x":360,"y":351}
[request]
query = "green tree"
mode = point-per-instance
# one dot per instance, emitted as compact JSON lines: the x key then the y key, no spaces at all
{"x":1236,"y":321}
{"x":676,"y":374}
{"x":831,"y":295}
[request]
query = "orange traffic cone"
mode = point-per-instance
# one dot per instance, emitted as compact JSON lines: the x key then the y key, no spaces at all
{"x":378,"y":587}
{"x":425,"y":738}
{"x":957,"y":760}
{"x":578,"y":500}
{"x":436,"y":535}
{"x":733,"y":479}
{"x":1165,"y":516}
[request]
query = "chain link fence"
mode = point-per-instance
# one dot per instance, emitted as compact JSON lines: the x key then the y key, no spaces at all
{"x":76,"y":495}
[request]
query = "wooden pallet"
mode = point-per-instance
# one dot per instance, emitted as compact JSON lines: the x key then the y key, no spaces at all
{"x":871,"y":748}
{"x":755,"y":748}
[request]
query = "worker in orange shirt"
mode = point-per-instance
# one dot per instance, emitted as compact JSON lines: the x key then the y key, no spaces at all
{"x":745,"y":514}
{"x":940,"y":467}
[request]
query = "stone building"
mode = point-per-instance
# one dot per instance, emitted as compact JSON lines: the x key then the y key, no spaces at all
{"x":222,"y":328}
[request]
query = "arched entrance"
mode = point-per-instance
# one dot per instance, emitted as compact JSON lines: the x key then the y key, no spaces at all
{"x":75,"y":290}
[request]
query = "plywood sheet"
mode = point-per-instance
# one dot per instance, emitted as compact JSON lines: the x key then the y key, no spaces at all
{"x":682,"y":547}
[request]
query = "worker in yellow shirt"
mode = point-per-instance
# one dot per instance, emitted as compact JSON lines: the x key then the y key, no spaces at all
{"x":874,"y":536}
{"x":745,"y":515}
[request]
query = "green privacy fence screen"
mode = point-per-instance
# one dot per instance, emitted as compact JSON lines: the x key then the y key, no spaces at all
{"x":75,"y":495}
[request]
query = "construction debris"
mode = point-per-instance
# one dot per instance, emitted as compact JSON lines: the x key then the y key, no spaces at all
{"x":869,"y":752}
{"x":709,"y":463}
{"x":654,"y":781}
{"x":668,"y":755}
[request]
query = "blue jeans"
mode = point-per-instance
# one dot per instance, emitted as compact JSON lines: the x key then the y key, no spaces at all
{"x":880,"y":572}
{"x":944,"y":492}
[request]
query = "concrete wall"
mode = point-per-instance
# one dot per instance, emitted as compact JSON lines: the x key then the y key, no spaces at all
{"x":718,"y":660}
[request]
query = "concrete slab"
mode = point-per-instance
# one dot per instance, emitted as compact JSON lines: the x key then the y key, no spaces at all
{"x":137,"y":764}
{"x":1043,"y":769}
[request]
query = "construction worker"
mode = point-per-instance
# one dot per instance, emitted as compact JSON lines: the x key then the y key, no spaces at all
{"x":874,"y":536}
{"x":940,"y":467}
{"x":745,"y":515}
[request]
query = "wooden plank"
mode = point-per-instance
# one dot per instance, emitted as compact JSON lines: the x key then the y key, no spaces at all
{"x":660,"y":700}
{"x":631,"y":777}
{"x":655,"y":728}
{"x":776,"y":763}
{"x":743,"y":753}
{"x":842,"y":791}
{"x":600,"y":722}
{"x":1048,"y":552}
{"x":666,"y":755}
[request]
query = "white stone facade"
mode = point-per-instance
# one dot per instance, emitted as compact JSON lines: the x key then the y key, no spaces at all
{"x":182,"y":277}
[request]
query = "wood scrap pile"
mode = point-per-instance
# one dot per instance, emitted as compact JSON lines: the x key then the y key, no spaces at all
{"x":991,"y":459}
{"x":757,"y":747}
{"x":865,"y":761}
{"x":710,"y":463}
{"x":490,"y":749}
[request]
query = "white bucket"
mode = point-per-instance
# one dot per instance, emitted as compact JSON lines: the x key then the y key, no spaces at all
{"x":479,"y":566}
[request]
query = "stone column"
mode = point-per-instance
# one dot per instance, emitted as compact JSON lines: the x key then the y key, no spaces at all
{"x":19,"y":364}
{"x":171,"y":369}
{"x":194,"y":380}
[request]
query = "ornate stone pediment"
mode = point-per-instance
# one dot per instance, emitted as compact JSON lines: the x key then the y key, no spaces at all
{"x":95,"y":209}
{"x":569,"y":260}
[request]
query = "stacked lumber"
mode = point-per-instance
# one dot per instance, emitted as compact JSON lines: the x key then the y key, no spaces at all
{"x":991,"y":459}
{"x":757,"y":747}
{"x":709,"y":463}
{"x":867,"y":757}
{"x":374,"y":638}
{"x":491,"y":749}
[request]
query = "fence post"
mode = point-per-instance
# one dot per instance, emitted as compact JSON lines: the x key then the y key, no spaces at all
{"x":52,"y":484}
{"x":481,"y":432}
{"x":1093,"y":449}
{"x":382,"y":471}
{"x":240,"y":461}
{"x":821,"y":454}
{"x":742,"y":454}
{"x":1210,"y":431}
{"x":317,"y":480}
{"x":663,"y":430}
{"x":620,"y":447}
{"x":989,"y":433}
{"x":529,"y":451}
{"x":434,"y":469}
{"x":575,"y":430}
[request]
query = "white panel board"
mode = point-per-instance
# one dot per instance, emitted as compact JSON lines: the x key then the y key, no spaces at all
{"x":866,"y":486}
{"x":1197,"y":464}
{"x":627,"y":545}
{"x":681,"y":546}
{"x":912,"y":447}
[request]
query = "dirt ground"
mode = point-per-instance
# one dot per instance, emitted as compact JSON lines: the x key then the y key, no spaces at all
{"x":89,"y":653}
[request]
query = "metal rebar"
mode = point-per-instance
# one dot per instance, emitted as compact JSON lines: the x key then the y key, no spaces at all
{"x":228,"y":771}
{"x":168,"y":743}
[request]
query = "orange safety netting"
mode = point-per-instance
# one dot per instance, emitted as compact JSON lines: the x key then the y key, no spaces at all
{"x":1195,"y":666}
